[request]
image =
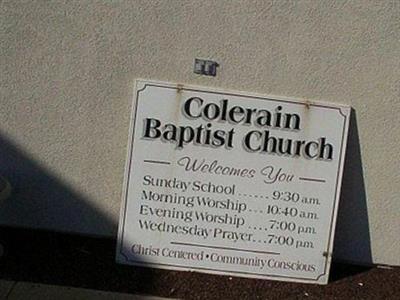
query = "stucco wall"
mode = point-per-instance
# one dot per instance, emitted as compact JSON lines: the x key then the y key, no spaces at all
{"x":67,"y":74}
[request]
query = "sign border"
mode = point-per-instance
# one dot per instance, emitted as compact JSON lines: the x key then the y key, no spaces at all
{"x":327,"y":253}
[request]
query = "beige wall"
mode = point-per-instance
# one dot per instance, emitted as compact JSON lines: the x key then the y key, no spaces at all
{"x":67,"y":74}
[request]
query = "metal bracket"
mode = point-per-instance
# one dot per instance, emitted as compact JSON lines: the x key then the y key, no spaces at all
{"x":205,"y":67}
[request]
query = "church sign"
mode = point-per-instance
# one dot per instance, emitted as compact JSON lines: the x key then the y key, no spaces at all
{"x":231,"y":183}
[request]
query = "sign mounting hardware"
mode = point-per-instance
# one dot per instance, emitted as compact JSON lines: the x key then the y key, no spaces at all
{"x":205,"y":67}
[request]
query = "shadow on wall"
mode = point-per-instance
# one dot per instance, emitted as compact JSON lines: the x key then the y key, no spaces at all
{"x":352,"y":239}
{"x":40,"y":200}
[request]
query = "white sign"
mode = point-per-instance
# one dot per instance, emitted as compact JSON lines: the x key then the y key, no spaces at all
{"x":231,"y":183}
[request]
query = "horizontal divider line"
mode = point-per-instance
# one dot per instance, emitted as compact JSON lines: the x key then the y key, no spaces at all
{"x":223,"y":248}
{"x":312,"y":179}
{"x":157,"y":162}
